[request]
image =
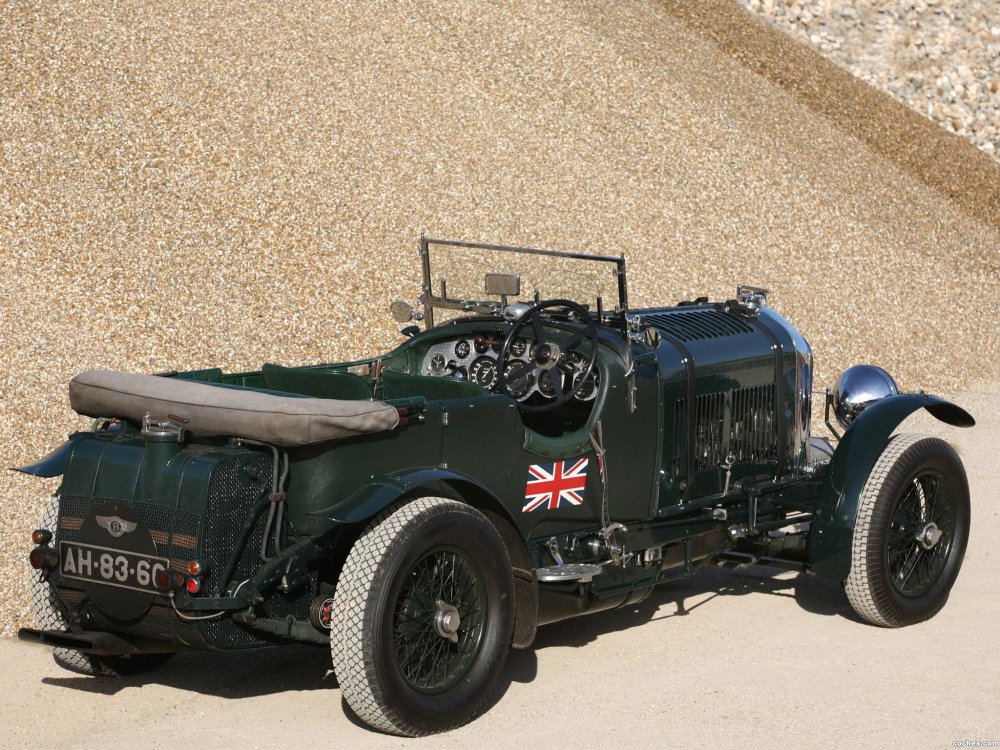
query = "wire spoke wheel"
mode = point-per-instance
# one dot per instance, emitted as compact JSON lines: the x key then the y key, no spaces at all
{"x":915,"y":561}
{"x":910,"y":534}
{"x":423,"y":617}
{"x":438,"y":625}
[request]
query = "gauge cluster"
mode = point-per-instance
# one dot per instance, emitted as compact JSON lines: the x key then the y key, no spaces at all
{"x":475,"y":358}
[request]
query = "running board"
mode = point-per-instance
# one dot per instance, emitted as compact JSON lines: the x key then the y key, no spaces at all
{"x":568,"y":573}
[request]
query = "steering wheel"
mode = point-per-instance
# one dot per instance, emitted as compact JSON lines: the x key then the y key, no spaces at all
{"x":547,"y":352}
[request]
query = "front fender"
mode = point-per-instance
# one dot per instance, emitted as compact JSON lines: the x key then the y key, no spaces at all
{"x":832,"y":532}
{"x":383,"y":490}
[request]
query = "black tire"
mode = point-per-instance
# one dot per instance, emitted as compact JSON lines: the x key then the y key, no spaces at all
{"x":49,"y":616}
{"x":917,"y":486}
{"x":396,"y":669}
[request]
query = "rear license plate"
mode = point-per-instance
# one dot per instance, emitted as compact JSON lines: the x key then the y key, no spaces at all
{"x":112,"y":567}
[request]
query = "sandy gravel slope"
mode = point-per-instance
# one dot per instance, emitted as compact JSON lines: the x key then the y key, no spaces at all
{"x":187,"y":184}
{"x":726,"y":659}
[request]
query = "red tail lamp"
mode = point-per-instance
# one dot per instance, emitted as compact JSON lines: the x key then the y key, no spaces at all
{"x":43,"y":557}
{"x":41,"y":536}
{"x":168,"y":580}
{"x":193,"y":585}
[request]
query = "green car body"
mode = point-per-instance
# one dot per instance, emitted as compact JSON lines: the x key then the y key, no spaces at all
{"x":693,"y":449}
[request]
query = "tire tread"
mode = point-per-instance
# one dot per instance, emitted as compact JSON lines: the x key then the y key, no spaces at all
{"x":866,"y":593}
{"x":360,"y":581}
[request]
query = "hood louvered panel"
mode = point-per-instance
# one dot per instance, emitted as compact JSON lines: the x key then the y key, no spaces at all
{"x":698,"y":325}
{"x":738,"y":422}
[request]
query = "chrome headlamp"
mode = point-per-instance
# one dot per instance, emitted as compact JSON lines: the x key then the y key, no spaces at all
{"x":858,"y":388}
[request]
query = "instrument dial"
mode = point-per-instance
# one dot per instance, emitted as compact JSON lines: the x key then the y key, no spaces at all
{"x":545,"y":382}
{"x":520,"y":387}
{"x":462,"y":348}
{"x":518,"y":347}
{"x":587,"y":389}
{"x":484,"y":372}
{"x":438,"y":364}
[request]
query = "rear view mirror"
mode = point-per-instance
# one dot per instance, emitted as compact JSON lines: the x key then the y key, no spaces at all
{"x":503,"y":284}
{"x":402,"y":312}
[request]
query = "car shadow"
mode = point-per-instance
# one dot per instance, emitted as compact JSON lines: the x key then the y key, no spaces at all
{"x":238,"y":675}
{"x":225,"y":674}
{"x":680,"y":598}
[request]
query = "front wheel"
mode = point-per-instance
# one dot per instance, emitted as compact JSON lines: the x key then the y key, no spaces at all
{"x":911,"y":532}
{"x":423,"y":617}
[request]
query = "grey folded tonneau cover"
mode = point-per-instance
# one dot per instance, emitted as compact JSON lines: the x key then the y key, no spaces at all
{"x":214,"y":410}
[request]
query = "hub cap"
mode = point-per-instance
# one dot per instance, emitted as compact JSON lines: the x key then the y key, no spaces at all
{"x":929,"y":535}
{"x":447,"y":621}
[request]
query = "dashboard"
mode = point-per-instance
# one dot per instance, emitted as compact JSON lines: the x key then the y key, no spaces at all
{"x":475,"y":358}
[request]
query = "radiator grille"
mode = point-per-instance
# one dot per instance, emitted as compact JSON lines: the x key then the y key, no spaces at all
{"x":740,"y":422}
{"x":698,"y":325}
{"x":232,"y":496}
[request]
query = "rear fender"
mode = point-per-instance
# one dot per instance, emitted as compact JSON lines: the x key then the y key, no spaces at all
{"x":862,"y":444}
{"x":51,"y":465}
{"x":382,"y":491}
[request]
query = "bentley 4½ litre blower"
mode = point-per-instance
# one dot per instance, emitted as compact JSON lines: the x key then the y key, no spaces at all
{"x":539,"y":450}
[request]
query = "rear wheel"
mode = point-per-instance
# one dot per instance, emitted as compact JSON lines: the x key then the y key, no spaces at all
{"x":423,"y":617}
{"x":911,"y":532}
{"x":49,"y":616}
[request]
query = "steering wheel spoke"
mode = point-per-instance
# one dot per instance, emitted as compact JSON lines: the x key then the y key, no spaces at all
{"x":547,"y":355}
{"x":555,"y":380}
{"x":537,"y":327}
{"x":573,"y":340}
{"x":520,"y":372}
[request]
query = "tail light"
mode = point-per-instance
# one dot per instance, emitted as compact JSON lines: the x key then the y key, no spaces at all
{"x":43,"y":557}
{"x":41,"y":536}
{"x":168,"y":580}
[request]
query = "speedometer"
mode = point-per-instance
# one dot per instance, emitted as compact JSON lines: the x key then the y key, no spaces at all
{"x":484,"y":372}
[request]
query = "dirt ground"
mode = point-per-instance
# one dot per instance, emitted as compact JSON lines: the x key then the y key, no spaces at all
{"x":728,"y":658}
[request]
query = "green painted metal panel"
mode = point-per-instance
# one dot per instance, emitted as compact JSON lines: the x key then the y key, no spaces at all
{"x":856,"y":454}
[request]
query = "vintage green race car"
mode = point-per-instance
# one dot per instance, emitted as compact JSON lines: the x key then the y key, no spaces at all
{"x":540,"y":450}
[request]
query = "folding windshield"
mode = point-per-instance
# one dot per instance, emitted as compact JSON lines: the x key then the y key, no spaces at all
{"x":462,"y":278}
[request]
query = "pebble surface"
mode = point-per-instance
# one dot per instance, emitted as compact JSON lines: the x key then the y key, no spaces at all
{"x":939,"y":57}
{"x":186,"y":185}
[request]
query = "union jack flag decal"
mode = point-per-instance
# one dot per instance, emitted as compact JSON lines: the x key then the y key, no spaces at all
{"x":551,"y":486}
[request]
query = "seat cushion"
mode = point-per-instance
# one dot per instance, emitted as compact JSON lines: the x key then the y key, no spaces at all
{"x":206,"y":408}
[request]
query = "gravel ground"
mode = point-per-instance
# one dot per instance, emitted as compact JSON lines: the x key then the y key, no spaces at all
{"x":185,"y":185}
{"x":937,"y":56}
